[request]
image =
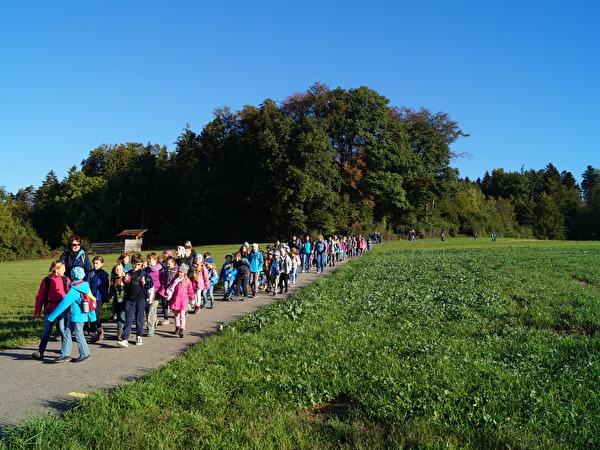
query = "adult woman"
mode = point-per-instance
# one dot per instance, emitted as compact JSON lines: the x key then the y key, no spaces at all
{"x":76,"y":256}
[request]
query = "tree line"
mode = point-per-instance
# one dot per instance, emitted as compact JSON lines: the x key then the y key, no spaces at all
{"x":320,"y":161}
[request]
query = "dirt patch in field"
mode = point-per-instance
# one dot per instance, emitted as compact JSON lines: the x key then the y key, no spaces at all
{"x":585,"y":282}
{"x":338,"y":408}
{"x":520,"y":301}
{"x":567,"y":330}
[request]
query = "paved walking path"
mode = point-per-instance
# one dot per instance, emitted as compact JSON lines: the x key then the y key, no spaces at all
{"x":30,"y":387}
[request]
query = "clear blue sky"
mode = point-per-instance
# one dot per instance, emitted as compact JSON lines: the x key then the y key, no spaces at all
{"x":520,"y":77}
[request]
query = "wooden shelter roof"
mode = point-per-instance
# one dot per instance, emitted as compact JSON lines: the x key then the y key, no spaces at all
{"x":132,"y":233}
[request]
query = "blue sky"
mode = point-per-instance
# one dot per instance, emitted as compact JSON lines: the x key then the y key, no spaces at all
{"x":520,"y":77}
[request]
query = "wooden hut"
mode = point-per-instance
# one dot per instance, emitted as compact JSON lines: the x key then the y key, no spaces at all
{"x":131,"y":242}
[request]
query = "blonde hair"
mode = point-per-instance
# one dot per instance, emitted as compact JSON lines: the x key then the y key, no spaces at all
{"x":54,"y":266}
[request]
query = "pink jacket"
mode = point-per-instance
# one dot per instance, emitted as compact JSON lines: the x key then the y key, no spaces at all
{"x":55,"y":294}
{"x":180,"y":292}
{"x":201,"y":278}
{"x":154,"y":272}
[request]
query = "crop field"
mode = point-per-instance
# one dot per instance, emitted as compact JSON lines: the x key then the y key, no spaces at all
{"x":426,"y":344}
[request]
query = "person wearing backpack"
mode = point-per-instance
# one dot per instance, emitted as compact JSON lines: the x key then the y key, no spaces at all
{"x":81,"y":305}
{"x":286,"y":268}
{"x":200,"y":284}
{"x":275,"y":271}
{"x":180,"y":293}
{"x":256,"y":260}
{"x":98,"y":281}
{"x":321,"y":254}
{"x":53,"y":289}
{"x":213,"y":279}
{"x":227,"y":276}
{"x":137,"y":286}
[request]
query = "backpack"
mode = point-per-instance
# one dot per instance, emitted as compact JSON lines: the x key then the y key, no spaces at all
{"x":47,"y":280}
{"x":275,"y":267}
{"x":213,"y":276}
{"x":87,"y":298}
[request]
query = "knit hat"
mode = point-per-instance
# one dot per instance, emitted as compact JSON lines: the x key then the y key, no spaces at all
{"x":184,"y":268}
{"x":77,"y":273}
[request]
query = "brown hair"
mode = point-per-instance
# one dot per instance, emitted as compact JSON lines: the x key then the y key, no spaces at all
{"x":113,"y":272}
{"x":54,"y":266}
{"x":137,"y":259}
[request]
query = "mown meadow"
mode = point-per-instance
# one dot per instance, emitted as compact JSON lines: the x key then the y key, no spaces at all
{"x":427,"y":344}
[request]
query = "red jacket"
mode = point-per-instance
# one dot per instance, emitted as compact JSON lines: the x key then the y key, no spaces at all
{"x":56,"y":293}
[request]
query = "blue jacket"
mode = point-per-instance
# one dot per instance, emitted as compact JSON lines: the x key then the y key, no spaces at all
{"x":228,"y":272}
{"x":73,"y":300}
{"x":79,"y":259}
{"x":320,"y":247}
{"x":98,"y":280}
{"x":256,"y":261}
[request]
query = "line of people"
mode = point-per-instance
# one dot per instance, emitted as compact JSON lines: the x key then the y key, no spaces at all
{"x":182,"y":284}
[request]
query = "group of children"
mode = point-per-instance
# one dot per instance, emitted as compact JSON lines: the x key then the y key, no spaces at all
{"x":183,"y":284}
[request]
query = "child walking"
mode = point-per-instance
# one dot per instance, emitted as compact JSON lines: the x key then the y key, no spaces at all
{"x":168,"y":275}
{"x":275,"y":271}
{"x":296,"y":263}
{"x":73,"y":301}
{"x":117,"y":294}
{"x":98,"y":281}
{"x":180,"y":292}
{"x":199,"y":284}
{"x":137,"y":284}
{"x":242,"y":266}
{"x":213,"y":279}
{"x":154,"y":269}
{"x":228,"y":273}
{"x":53,"y":289}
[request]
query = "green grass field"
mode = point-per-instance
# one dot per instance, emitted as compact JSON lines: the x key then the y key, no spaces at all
{"x":428,"y":344}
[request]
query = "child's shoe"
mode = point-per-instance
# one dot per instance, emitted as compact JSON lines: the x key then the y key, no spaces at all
{"x":138,"y":340}
{"x":123,"y":343}
{"x":94,"y":338}
{"x":180,"y":332}
{"x":197,"y":309}
{"x":37,"y":355}
{"x":100,"y":334}
{"x":165,"y":322}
